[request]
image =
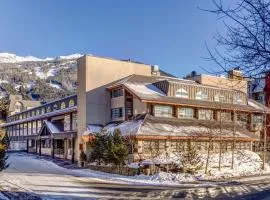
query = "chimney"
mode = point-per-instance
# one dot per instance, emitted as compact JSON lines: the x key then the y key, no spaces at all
{"x":155,"y":70}
{"x":235,"y":74}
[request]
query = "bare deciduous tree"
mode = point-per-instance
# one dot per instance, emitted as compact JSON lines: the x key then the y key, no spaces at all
{"x":246,"y":43}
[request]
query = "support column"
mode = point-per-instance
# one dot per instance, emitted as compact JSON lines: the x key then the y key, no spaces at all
{"x":40,"y":147}
{"x":27,"y":146}
{"x":52,"y":147}
{"x":73,"y":149}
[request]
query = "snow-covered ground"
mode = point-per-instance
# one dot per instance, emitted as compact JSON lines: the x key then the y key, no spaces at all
{"x":50,"y":181}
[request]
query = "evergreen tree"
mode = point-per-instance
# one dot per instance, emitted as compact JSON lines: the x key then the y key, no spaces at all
{"x":117,"y":149}
{"x":191,"y":160}
{"x":99,"y":146}
{"x":3,"y":146}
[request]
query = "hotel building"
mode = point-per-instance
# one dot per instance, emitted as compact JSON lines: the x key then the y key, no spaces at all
{"x":155,"y":111}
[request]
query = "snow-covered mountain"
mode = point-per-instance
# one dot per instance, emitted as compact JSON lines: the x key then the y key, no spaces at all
{"x":43,"y":78}
{"x":13,"y":58}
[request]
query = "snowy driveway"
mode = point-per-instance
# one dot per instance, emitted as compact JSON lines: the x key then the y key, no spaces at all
{"x":29,"y":175}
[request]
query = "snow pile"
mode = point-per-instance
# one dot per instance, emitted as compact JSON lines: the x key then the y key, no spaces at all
{"x":164,"y":158}
{"x":245,"y":163}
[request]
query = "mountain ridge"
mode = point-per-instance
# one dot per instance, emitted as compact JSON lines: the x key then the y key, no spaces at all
{"x":6,"y":57}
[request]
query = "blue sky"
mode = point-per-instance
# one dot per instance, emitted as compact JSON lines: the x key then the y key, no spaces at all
{"x":171,"y":34}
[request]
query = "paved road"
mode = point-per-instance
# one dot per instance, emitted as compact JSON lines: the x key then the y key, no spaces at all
{"x":32,"y":178}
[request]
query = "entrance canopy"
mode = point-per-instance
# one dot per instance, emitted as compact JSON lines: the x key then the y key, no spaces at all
{"x":54,"y":131}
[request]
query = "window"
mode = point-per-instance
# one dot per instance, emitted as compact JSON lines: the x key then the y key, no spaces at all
{"x":71,"y":103}
{"x":205,"y":114}
{"x":225,"y":116}
{"x":18,"y":107}
{"x":185,"y":113}
{"x":181,"y":93}
{"x":63,"y":105}
{"x":238,"y":99}
{"x":257,"y":119}
{"x":49,"y":109}
{"x":116,"y":113}
{"x":242,"y":119}
{"x":201,"y":95}
{"x":116,"y":93}
{"x":163,"y":111}
{"x":55,"y":107}
{"x":220,"y":98}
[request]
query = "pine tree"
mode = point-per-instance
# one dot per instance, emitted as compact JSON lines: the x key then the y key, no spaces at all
{"x":117,"y":149}
{"x":191,"y":160}
{"x":3,"y":147}
{"x":99,"y":146}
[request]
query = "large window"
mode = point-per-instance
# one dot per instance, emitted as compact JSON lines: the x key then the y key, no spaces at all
{"x":116,"y":113}
{"x":18,"y":107}
{"x":201,"y":95}
{"x":257,"y":119}
{"x":163,"y":111}
{"x":181,"y":93}
{"x":225,"y":116}
{"x":242,"y":119}
{"x":116,"y":93}
{"x":205,"y":114}
{"x":238,"y":99}
{"x":220,"y":98}
{"x":185,"y":113}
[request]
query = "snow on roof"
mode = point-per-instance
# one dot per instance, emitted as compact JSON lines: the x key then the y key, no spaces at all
{"x":93,"y":128}
{"x":184,"y":131}
{"x":144,"y":89}
{"x":52,"y":127}
{"x":126,"y":128}
{"x":258,"y":105}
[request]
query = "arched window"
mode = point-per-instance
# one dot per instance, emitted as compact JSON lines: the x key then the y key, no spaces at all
{"x":55,"y":107}
{"x":18,"y":107}
{"x":220,"y":98}
{"x":238,"y":99}
{"x":49,"y":109}
{"x":181,"y":93}
{"x":63,"y":105}
{"x":201,"y":95}
{"x":71,"y":103}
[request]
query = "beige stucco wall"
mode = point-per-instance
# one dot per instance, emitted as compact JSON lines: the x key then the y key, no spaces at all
{"x":222,"y":82}
{"x":139,"y":107}
{"x":94,"y":74}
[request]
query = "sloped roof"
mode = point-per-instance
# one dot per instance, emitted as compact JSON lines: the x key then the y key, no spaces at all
{"x":143,"y":88}
{"x":174,"y":128}
{"x":192,"y":128}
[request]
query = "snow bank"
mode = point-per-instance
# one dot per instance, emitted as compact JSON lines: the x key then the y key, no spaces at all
{"x":245,"y":163}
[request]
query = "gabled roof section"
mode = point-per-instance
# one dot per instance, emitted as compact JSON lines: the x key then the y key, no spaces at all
{"x":145,"y":89}
{"x":258,"y":106}
{"x":51,"y":127}
{"x":162,"y":128}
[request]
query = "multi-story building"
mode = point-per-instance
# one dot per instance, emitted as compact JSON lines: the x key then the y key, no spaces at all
{"x":18,"y":104}
{"x":157,"y":112}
